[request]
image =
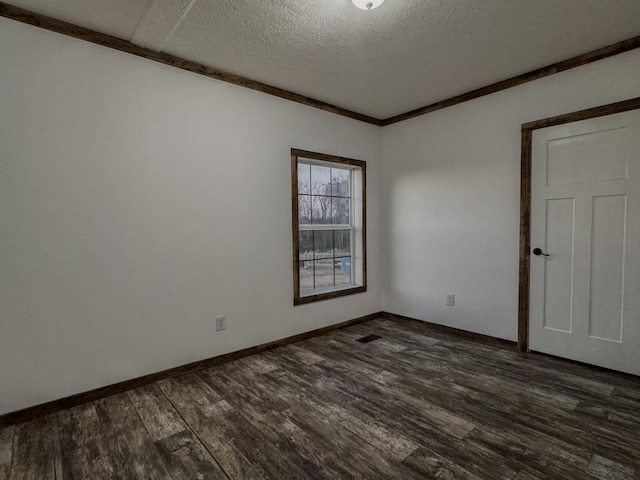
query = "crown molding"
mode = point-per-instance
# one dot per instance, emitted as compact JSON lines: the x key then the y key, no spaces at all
{"x":82,"y":33}
{"x":88,"y":35}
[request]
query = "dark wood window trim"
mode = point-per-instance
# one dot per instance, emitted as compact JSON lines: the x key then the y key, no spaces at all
{"x":298,"y":299}
{"x":525,"y":199}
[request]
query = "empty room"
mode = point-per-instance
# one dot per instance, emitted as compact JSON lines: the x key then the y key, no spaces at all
{"x":336,"y":239}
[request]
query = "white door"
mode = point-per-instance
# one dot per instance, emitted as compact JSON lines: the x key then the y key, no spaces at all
{"x":585,"y":215}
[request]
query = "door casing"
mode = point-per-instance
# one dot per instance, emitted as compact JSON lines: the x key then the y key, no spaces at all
{"x":525,"y":199}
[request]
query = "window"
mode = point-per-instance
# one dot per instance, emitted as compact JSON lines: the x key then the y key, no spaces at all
{"x":329,"y":226}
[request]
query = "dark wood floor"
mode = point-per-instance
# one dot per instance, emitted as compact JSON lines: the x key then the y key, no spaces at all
{"x":413,"y":405}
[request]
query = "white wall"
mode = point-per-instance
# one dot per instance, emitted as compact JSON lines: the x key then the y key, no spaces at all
{"x":451,"y":196}
{"x":137,"y":202}
{"x":133,"y":195}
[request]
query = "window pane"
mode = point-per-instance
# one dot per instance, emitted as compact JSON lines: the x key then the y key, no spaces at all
{"x":343,"y":271}
{"x":330,"y":222}
{"x":320,"y":210}
{"x":306,"y":277}
{"x":305,"y":242}
{"x":304,"y":209}
{"x":340,"y":182}
{"x":320,"y":180}
{"x":324,"y":273}
{"x":323,"y":242}
{"x":304,"y":178}
{"x":340,"y":211}
{"x":342,"y":243}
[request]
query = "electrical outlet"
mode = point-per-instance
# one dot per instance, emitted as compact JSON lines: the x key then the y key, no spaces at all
{"x":451,"y":299}
{"x":220,"y":323}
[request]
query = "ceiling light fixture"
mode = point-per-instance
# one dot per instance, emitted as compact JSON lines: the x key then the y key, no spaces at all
{"x":367,"y":4}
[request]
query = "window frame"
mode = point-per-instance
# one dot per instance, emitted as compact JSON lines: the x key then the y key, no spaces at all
{"x":301,"y":155}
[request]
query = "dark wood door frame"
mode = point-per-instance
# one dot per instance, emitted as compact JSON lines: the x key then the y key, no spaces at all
{"x":525,"y":198}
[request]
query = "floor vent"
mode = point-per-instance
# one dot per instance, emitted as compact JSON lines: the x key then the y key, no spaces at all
{"x":368,"y":338}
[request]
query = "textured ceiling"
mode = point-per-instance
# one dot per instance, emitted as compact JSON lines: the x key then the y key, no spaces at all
{"x":116,"y":17}
{"x":401,"y":56}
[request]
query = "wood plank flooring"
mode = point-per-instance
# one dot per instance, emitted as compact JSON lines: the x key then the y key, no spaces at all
{"x":415,"y":404}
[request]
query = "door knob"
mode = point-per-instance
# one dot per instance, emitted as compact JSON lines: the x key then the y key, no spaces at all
{"x":538,"y":251}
